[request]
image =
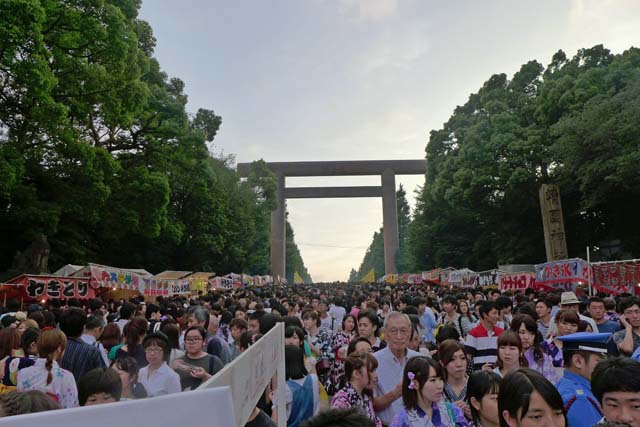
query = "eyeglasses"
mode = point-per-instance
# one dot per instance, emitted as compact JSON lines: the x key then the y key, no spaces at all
{"x":153,"y":350}
{"x":192,"y":340}
{"x":402,"y":332}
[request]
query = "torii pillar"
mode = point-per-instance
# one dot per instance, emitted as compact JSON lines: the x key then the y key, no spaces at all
{"x":386,"y":169}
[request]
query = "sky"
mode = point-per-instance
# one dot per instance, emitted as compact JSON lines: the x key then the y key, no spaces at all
{"x":304,"y":80}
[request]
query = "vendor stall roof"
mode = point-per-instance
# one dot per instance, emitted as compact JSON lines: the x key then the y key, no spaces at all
{"x":67,"y":270}
{"x":201,"y":275}
{"x":172,"y":275}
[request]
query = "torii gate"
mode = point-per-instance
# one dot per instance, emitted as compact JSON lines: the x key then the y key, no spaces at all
{"x":387,"y":169}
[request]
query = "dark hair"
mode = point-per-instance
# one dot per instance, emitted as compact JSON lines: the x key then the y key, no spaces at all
{"x":516,"y":389}
{"x":567,"y":316}
{"x":95,"y":322}
{"x":246,"y":339}
{"x":448,"y":332}
{"x":351,"y":417}
{"x":268,"y":321}
{"x":420,"y":367}
{"x":200,"y":330}
{"x":373,"y":318}
{"x":354,"y":342}
{"x":503,"y":302}
{"x":311,"y":314}
{"x":355,"y":322}
{"x":294,"y":330}
{"x":72,"y":321}
{"x":357,"y":361}
{"x":135,"y":329}
{"x":130,"y":366}
{"x":510,"y":338}
{"x":29,"y":336}
{"x":292,"y":321}
{"x":26,"y":402}
{"x":294,"y":362}
{"x":159,"y":339}
{"x":99,"y":380}
{"x":531,"y":326}
{"x":595,"y":299}
{"x":152,"y":308}
{"x":480,"y":384}
{"x":111,"y":336}
{"x":449,"y":299}
{"x":446,"y":350}
{"x":545,"y":301}
{"x":172,"y":331}
{"x":9,"y":341}
{"x":127,"y":310}
{"x":617,"y":374}
{"x":484,"y":307}
{"x":628,"y":302}
{"x":238,"y":323}
{"x":38,"y":317}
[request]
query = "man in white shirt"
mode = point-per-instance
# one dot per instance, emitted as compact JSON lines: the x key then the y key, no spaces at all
{"x":337,"y":311}
{"x":391,"y":362}
{"x":92,"y":331}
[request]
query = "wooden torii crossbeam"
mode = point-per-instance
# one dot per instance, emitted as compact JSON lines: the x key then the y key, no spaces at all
{"x":386,"y":169}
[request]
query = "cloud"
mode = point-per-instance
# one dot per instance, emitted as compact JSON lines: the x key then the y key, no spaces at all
{"x":369,"y":10}
{"x":611,"y":22}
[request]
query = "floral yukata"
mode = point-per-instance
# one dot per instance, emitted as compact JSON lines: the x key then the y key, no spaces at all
{"x":348,"y":397}
{"x":62,"y":387}
{"x":444,"y":415}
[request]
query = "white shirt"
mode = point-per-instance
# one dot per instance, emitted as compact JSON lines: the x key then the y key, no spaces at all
{"x":339,"y":313}
{"x":91,"y":340}
{"x":390,"y":372}
{"x":162,"y":381}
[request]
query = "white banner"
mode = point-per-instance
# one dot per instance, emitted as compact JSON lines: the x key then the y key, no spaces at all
{"x":199,"y":408}
{"x":250,"y":373}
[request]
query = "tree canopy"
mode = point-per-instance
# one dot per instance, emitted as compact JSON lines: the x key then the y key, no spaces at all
{"x":98,"y":151}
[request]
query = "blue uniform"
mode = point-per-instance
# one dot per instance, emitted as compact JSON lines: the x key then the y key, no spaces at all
{"x":584,"y":410}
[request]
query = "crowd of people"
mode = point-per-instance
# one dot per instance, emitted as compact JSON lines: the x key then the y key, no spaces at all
{"x":355,"y":355}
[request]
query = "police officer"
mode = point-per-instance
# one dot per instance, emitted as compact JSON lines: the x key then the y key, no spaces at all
{"x":581,"y":352}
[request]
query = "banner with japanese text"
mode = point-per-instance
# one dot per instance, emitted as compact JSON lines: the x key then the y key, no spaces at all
{"x":563,"y":275}
{"x":617,"y":277}
{"x":45,"y":287}
{"x":515,"y":281}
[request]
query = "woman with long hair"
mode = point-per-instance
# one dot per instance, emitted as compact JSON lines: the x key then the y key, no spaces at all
{"x":454,"y":361}
{"x":482,"y":398}
{"x":340,"y":343}
{"x":302,"y":395}
{"x":134,"y":332}
{"x":46,"y":375}
{"x":171,"y":330}
{"x":422,"y":393}
{"x":359,"y":370}
{"x":528,"y":399}
{"x":527,"y":328}
{"x":510,"y":353}
{"x":319,"y":340}
{"x":111,"y":338}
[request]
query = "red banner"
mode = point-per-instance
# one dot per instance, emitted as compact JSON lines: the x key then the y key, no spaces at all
{"x":616,"y":278}
{"x":516,"y":281}
{"x":45,"y":287}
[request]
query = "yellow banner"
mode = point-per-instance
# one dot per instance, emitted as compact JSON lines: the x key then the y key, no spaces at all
{"x":370,"y":277}
{"x":297,"y":279}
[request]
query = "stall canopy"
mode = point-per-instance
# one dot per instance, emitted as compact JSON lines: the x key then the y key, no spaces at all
{"x":199,"y":281}
{"x":67,"y":270}
{"x":43,"y":287}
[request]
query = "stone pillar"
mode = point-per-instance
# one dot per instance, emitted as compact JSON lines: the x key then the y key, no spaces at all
{"x":555,"y":241}
{"x":278,"y":233}
{"x":390,"y":221}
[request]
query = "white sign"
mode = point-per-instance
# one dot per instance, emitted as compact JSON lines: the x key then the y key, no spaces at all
{"x":191,"y":407}
{"x":250,"y":373}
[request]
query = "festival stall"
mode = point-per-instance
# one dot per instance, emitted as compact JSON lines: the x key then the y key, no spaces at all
{"x":37,"y":287}
{"x":617,"y":277}
{"x":112,"y":282}
{"x":199,"y":281}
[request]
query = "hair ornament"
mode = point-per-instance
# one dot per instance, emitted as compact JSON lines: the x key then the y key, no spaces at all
{"x":411,"y":377}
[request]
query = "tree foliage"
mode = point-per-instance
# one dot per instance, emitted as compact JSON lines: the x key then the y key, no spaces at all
{"x":98,"y":152}
{"x":575,"y":123}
